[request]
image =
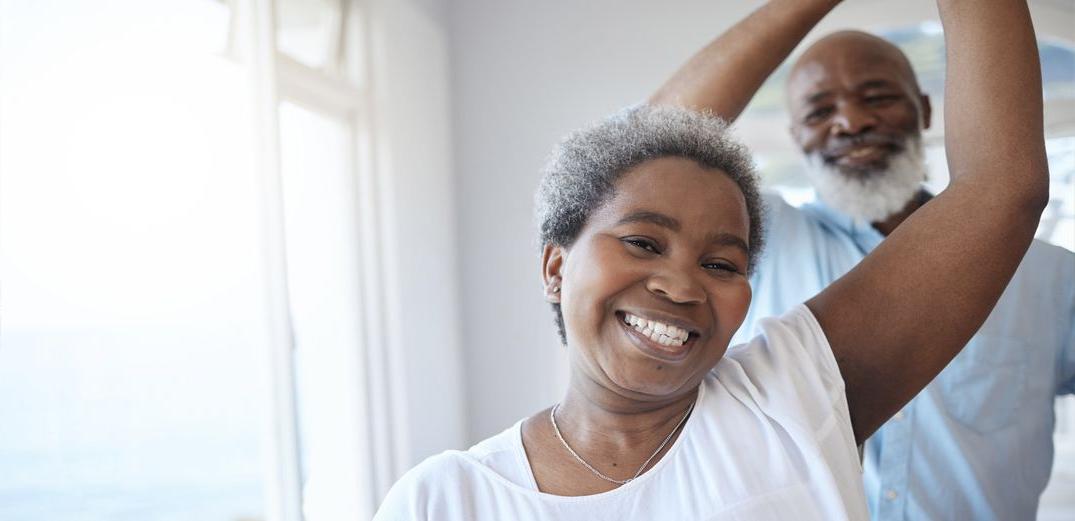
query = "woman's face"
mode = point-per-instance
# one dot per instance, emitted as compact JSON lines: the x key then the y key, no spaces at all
{"x":655,"y":285}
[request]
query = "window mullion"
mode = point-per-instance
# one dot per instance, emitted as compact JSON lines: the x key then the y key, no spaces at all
{"x":283,"y":498}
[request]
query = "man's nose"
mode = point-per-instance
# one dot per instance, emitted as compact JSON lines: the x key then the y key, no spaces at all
{"x":852,"y":119}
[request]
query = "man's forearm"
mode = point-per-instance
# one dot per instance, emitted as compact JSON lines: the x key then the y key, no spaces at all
{"x":724,"y":75}
{"x":993,"y":105}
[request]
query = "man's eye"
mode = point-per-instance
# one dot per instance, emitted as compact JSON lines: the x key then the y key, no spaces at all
{"x":643,"y":244}
{"x":817,"y":115}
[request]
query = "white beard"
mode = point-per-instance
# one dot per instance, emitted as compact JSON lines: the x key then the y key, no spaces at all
{"x":874,"y":196}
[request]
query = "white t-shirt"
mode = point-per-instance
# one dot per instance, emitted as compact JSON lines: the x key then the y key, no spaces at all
{"x":769,"y":439}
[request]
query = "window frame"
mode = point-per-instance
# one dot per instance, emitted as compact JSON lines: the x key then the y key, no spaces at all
{"x":333,"y":92}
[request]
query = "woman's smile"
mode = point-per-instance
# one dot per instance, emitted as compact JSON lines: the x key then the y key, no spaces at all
{"x":658,"y":339}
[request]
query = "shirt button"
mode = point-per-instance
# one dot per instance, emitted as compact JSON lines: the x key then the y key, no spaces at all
{"x":891,"y":494}
{"x":898,"y":416}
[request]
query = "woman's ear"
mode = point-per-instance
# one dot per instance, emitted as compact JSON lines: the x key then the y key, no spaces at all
{"x":552,"y":261}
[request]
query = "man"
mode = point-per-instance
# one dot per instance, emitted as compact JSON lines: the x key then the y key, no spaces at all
{"x":977,"y":442}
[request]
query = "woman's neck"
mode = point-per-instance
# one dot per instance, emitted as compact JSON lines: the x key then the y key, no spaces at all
{"x":613,"y":435}
{"x":595,"y":420}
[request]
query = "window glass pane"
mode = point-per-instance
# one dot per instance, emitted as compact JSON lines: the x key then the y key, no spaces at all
{"x":309,"y":30}
{"x":323,"y":283}
{"x":1058,"y":220}
{"x":924,"y":45}
{"x":131,"y":372}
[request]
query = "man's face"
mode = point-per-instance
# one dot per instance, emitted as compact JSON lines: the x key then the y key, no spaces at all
{"x":855,"y":105}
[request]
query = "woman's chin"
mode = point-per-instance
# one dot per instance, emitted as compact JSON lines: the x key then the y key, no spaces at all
{"x":650,"y":385}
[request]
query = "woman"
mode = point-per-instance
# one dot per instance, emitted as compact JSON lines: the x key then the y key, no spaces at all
{"x":650,"y":222}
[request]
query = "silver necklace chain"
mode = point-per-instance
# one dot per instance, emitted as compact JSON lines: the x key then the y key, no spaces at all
{"x":598,"y":473}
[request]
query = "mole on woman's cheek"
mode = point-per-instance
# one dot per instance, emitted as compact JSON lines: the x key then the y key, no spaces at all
{"x":660,"y":367}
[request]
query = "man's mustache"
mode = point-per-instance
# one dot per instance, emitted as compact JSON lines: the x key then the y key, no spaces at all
{"x":840,"y":146}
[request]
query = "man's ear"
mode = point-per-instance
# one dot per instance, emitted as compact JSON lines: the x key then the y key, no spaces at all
{"x":927,"y":111}
{"x":552,"y":262}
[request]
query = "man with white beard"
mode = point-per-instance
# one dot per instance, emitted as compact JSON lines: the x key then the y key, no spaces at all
{"x":977,"y":442}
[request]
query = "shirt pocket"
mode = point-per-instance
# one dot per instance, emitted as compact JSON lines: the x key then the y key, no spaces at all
{"x":985,"y":385}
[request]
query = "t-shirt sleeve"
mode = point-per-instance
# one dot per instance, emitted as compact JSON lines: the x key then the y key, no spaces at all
{"x":789,"y":371}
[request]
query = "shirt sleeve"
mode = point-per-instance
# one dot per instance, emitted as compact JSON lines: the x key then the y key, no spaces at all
{"x":783,"y":230}
{"x":789,"y":370}
{"x":1067,"y":364}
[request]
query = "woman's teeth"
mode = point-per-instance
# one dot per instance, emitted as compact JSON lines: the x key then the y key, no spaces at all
{"x":664,"y":334}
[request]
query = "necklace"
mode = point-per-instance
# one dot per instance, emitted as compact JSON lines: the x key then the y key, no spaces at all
{"x":552,"y":417}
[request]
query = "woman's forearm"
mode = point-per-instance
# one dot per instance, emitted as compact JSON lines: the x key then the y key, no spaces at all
{"x":725,"y":74}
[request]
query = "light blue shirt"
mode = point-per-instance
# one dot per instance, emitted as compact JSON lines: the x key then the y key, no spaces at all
{"x":977,"y":442}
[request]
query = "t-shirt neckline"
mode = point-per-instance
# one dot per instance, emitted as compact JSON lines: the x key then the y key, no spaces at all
{"x":520,"y":453}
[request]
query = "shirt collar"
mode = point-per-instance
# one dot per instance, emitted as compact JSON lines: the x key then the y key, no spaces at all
{"x":866,"y":237}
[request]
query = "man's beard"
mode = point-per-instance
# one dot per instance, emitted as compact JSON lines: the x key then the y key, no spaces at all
{"x":874,"y":195}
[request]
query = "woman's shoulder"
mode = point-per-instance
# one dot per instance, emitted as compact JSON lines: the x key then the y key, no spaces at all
{"x":429,"y":483}
{"x":444,"y":479}
{"x":448,"y":466}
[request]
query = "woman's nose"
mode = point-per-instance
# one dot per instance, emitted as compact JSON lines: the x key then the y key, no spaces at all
{"x":676,"y":286}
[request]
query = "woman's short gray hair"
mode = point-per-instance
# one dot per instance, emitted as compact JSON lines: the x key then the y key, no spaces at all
{"x":582,"y":173}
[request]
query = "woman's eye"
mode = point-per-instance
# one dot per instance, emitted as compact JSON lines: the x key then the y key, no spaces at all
{"x":642,"y":244}
{"x":721,"y":267}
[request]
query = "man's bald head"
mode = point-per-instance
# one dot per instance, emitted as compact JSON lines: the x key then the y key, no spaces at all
{"x":849,"y":47}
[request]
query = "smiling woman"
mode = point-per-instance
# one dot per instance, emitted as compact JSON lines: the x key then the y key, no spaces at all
{"x":651,"y":223}
{"x":648,"y":246}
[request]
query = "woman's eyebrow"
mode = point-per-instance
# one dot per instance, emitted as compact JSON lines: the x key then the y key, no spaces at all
{"x":659,"y":219}
{"x":730,"y":239}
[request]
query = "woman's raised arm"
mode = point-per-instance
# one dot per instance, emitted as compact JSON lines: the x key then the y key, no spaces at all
{"x":899,"y":317}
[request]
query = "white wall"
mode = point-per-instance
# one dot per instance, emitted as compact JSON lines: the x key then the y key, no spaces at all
{"x":411,"y":69}
{"x":524,"y":74}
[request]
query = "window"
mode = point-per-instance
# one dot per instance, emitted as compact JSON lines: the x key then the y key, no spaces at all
{"x":187,"y":193}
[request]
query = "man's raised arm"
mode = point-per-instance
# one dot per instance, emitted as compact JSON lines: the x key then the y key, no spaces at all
{"x":900,"y":316}
{"x":724,"y":75}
